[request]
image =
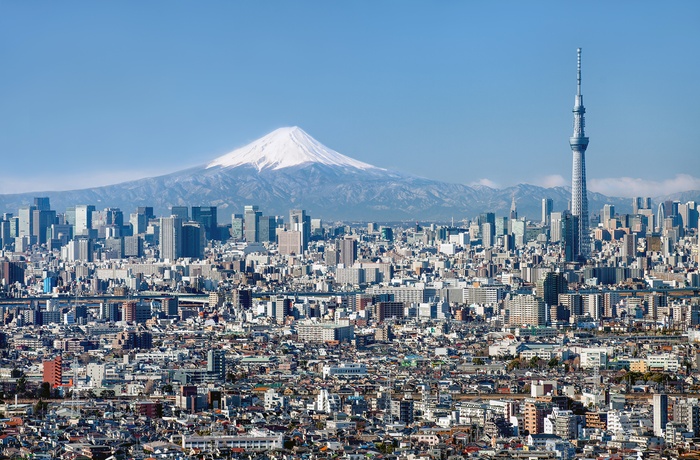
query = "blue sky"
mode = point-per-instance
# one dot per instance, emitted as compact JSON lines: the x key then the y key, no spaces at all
{"x":463,"y":91}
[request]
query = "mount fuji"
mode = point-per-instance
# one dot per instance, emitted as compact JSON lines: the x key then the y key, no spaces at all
{"x":289,"y":169}
{"x":285,"y":148}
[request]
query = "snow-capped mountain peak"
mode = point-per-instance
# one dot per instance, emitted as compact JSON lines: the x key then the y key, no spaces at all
{"x":283,"y":148}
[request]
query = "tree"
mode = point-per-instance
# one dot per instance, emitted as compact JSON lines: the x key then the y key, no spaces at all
{"x":148,"y":388}
{"x":478,"y":362}
{"x":40,"y":407}
{"x":535,"y":361}
{"x":44,"y":390}
{"x":554,"y":362}
{"x":513,"y":364}
{"x":22,"y":386}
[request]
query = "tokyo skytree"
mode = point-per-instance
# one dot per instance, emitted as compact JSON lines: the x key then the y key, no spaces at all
{"x":579,"y":195}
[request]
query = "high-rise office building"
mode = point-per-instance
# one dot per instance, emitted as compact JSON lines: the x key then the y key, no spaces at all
{"x":518,"y":228}
{"x":628,"y":249}
{"x":547,"y":206}
{"x":607,"y":214}
{"x":83,"y":219}
{"x":206,"y":215}
{"x":579,"y":194}
{"x":348,"y":251}
{"x":300,"y":222}
{"x":688,"y":214}
{"x":4,"y":233}
{"x":183,"y":212}
{"x":193,"y":240}
{"x":639,"y":203}
{"x":555,"y":227}
{"x":502,"y":226}
{"x":42,"y":219}
{"x":267,"y":229}
{"x":660,"y":403}
{"x":237,"y":226}
{"x":170,"y":238}
{"x":251,"y":220}
{"x":569,"y":235}
{"x":549,"y":286}
{"x":147,"y":211}
{"x":42,"y":203}
{"x":26,"y":221}
{"x":216,"y":363}
{"x":289,"y":242}
{"x":488,"y":217}
{"x":487,"y":235}
{"x":280,"y":308}
{"x":108,"y":221}
{"x":133,"y":246}
{"x":139,"y":223}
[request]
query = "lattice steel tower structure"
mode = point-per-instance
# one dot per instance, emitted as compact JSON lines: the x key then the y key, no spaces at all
{"x":579,"y":195}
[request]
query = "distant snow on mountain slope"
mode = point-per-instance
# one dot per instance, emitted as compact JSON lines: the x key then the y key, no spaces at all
{"x":284,"y":148}
{"x":288,"y":169}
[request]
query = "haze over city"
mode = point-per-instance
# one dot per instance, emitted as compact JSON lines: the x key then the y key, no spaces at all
{"x":470,"y":93}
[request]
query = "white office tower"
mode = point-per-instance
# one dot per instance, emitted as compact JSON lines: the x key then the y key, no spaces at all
{"x":660,"y":413}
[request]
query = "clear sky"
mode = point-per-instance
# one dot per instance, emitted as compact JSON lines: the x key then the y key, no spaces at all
{"x":464,"y":91}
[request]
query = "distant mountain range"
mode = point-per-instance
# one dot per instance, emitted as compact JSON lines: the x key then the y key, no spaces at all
{"x":289,"y":169}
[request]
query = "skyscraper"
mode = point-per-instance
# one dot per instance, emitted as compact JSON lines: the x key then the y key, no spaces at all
{"x":26,"y":221}
{"x":251,"y":222}
{"x":569,"y":235}
{"x":490,"y":218}
{"x":300,"y":222}
{"x":579,"y":195}
{"x":487,"y":235}
{"x":193,"y":240}
{"x":170,"y":238}
{"x":83,"y":219}
{"x":267,"y":227}
{"x":628,"y":249}
{"x":547,"y":206}
{"x":207,"y":216}
{"x":549,"y":286}
{"x":237,"y":226}
{"x":42,"y":203}
{"x":348,"y":251}
{"x":216,"y":363}
{"x":183,"y":212}
{"x":607,"y":214}
{"x":660,"y":403}
{"x":639,"y":202}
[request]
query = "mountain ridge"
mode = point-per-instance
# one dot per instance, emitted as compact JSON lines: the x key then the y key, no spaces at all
{"x":270,"y":173}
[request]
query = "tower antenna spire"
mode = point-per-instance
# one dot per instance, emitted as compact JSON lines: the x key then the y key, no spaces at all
{"x":578,"y":75}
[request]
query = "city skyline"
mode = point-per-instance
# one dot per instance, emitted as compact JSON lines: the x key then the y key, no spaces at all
{"x":99,"y":84}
